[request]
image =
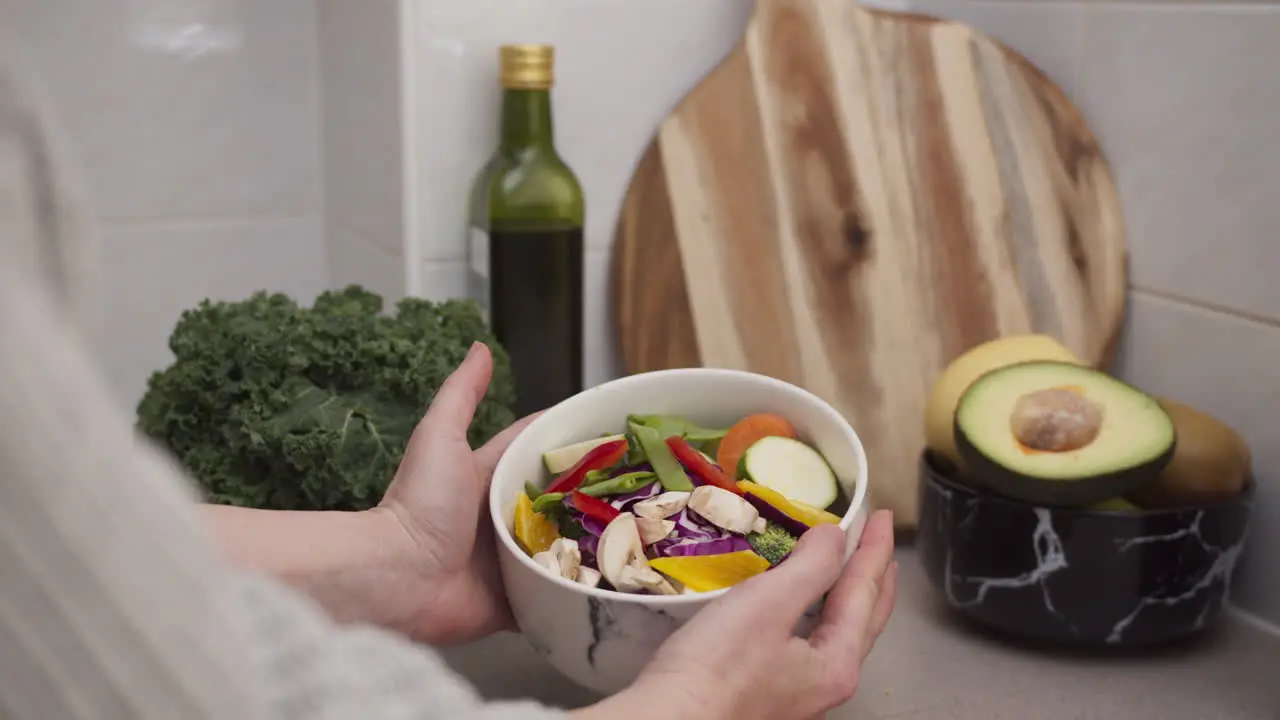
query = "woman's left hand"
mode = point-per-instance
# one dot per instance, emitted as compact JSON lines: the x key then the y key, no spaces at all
{"x":439,"y":501}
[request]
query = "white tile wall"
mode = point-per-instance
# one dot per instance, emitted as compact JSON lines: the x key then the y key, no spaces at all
{"x":154,"y":271}
{"x":162,"y":134}
{"x":357,"y":259}
{"x":361,"y":98}
{"x":203,"y":169}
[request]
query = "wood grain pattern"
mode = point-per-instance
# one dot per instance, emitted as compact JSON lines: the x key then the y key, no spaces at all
{"x":854,"y":198}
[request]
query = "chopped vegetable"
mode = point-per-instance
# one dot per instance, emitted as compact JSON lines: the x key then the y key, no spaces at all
{"x":670,"y":473}
{"x":798,"y":511}
{"x":747,"y":432}
{"x":771,"y":514}
{"x":598,"y":458}
{"x":651,"y":531}
{"x":622,"y":561}
{"x":671,"y":426}
{"x":702,"y":469}
{"x":594,"y":508}
{"x":724,"y":509}
{"x":588,"y":577}
{"x":662,"y":506}
{"x":705,"y":573}
{"x":561,"y":459}
{"x":718,"y":546}
{"x":774,"y":544}
{"x":792,"y":468}
{"x":620,"y":485}
{"x":630,"y":500}
{"x":547,"y":502}
{"x":657,"y":495}
{"x":533,"y":531}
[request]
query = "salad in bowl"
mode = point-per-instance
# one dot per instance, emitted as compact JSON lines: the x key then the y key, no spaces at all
{"x":669,"y":507}
{"x":625,"y":510}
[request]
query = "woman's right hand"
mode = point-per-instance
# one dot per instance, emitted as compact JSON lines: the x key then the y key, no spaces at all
{"x":739,"y":658}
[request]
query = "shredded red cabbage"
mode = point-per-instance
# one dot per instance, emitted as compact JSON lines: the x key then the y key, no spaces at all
{"x":690,"y":524}
{"x":591,"y":525}
{"x":719,"y":546}
{"x":624,"y":503}
{"x":589,"y":546}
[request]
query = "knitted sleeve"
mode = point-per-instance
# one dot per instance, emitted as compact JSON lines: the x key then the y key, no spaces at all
{"x":113,"y":601}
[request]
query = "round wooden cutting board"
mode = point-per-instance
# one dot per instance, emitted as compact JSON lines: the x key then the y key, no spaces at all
{"x":852,"y":199}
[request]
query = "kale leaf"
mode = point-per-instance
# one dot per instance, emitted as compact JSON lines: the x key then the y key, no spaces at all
{"x":270,"y":404}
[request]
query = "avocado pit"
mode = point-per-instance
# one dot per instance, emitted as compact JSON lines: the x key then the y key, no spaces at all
{"x":1055,"y":420}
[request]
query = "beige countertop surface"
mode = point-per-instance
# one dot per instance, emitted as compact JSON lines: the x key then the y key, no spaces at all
{"x":928,"y":665}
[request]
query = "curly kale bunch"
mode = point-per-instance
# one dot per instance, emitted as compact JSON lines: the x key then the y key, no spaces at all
{"x":273,"y":405}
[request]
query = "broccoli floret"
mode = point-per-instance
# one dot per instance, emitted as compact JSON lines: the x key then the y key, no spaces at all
{"x":773,"y":544}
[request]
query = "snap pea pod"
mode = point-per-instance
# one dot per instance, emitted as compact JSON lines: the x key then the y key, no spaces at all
{"x":669,"y":425}
{"x":547,"y":501}
{"x":670,"y":473}
{"x":620,"y":485}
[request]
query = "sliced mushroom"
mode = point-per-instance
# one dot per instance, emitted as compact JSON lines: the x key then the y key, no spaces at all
{"x":620,"y":544}
{"x":548,"y":561}
{"x":662,"y":506}
{"x":569,"y":557}
{"x":724,"y":509}
{"x":588,"y":577}
{"x":640,"y":576}
{"x":651,"y":531}
{"x":620,"y":556}
{"x":761,"y":525}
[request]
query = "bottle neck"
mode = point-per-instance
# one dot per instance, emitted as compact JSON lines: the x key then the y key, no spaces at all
{"x":526,"y":121}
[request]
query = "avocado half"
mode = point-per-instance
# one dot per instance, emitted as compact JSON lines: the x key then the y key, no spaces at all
{"x":1055,"y":433}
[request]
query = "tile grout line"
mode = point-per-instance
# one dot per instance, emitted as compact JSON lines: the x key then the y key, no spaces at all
{"x":1244,"y":315}
{"x":156,"y":222}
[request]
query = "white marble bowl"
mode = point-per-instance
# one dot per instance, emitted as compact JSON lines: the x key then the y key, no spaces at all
{"x":602,"y":639}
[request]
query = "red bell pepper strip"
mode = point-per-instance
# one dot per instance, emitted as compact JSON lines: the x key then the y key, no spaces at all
{"x":698,"y":465}
{"x":594,"y":507}
{"x":597,"y":458}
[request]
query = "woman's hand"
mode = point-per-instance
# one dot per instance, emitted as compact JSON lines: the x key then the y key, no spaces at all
{"x":439,"y":500}
{"x":738,"y":657}
{"x":422,"y":563}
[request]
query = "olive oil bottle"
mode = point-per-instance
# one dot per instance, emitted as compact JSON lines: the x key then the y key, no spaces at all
{"x":525,"y":241}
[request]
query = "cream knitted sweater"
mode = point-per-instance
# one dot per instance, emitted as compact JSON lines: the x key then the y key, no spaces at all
{"x":113,"y":602}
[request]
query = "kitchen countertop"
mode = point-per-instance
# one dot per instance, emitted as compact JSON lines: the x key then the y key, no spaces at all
{"x":930,"y":665}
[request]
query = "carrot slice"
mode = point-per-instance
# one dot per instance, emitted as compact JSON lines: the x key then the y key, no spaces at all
{"x":745,"y":433}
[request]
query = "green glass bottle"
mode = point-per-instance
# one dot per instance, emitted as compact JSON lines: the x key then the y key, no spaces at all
{"x":525,"y":243}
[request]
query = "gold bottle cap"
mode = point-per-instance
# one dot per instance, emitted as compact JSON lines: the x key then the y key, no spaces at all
{"x":527,"y":67}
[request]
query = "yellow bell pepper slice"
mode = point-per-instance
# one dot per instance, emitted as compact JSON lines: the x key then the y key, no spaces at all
{"x":533,"y":530}
{"x":704,"y":573}
{"x":807,"y":514}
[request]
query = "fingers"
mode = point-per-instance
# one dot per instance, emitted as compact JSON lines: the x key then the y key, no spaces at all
{"x":780,"y":596}
{"x":859,"y":599}
{"x":884,"y":605}
{"x":455,"y":403}
{"x":490,"y":453}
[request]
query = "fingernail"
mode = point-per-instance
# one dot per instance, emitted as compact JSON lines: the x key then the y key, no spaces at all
{"x":475,"y":348}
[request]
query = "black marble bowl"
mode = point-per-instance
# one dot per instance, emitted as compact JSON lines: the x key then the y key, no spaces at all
{"x":1078,"y":576}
